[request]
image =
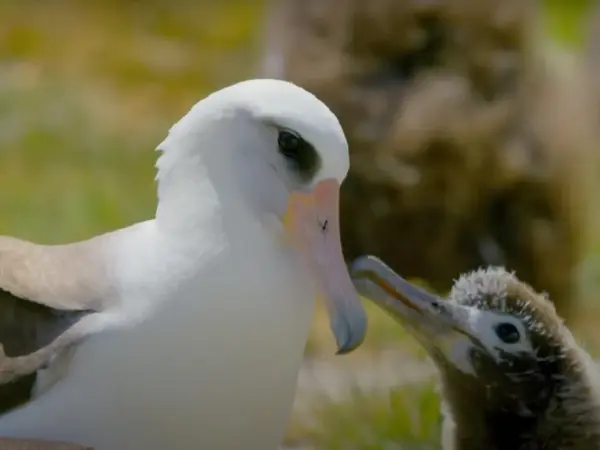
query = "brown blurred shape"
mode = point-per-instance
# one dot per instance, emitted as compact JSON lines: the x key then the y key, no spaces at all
{"x":471,"y":142}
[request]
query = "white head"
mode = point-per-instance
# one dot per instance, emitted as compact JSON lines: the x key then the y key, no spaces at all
{"x":274,"y":151}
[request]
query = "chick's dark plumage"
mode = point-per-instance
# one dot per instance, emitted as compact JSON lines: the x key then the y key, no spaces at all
{"x":546,"y":398}
{"x":512,"y":375}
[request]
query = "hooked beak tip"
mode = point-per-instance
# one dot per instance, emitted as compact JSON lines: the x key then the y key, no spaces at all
{"x":349,"y":331}
{"x":363,"y":263}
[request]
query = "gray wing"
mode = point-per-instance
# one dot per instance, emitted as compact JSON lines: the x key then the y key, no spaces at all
{"x":27,"y":326}
{"x":16,"y":392}
{"x":26,"y":329}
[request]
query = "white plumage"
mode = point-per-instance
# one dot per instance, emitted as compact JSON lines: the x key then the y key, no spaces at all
{"x":200,"y":315}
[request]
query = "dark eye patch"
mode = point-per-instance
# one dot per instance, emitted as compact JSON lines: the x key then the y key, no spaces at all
{"x":301,"y":155}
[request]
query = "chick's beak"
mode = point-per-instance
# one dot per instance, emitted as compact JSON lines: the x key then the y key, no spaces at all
{"x":312,"y":221}
{"x":424,"y":314}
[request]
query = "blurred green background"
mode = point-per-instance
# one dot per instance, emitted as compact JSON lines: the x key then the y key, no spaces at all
{"x":88,"y":90}
{"x":563,"y":20}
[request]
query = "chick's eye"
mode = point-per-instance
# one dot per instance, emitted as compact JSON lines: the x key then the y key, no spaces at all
{"x":508,"y":333}
{"x":289,"y":143}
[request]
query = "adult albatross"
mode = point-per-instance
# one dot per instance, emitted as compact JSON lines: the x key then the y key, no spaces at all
{"x":187,"y":331}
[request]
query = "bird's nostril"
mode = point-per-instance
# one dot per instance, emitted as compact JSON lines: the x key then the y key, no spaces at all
{"x":324,"y":224}
{"x":436,"y":306}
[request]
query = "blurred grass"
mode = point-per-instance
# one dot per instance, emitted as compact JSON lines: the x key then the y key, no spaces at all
{"x":406,"y":418}
{"x":563,"y":20}
{"x":62,"y":176}
{"x":87,"y":91}
{"x":86,"y":94}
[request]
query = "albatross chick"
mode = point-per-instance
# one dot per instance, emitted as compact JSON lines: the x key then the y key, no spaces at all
{"x":512,"y":375}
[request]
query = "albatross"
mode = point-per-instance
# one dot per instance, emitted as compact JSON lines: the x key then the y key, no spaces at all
{"x":187,"y":331}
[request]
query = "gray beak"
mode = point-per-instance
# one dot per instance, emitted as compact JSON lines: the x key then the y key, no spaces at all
{"x":423,"y":313}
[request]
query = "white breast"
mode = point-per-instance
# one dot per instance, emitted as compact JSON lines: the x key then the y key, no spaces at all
{"x":214,"y":368}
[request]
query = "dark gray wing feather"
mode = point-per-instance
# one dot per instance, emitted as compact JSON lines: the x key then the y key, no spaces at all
{"x":26,"y":327}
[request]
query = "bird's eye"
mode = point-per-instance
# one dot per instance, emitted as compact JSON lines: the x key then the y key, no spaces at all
{"x":290,"y":144}
{"x":508,"y":333}
{"x":300,"y":154}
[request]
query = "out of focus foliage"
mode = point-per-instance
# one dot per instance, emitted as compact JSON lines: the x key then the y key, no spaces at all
{"x":88,"y":89}
{"x":564,"y":18}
